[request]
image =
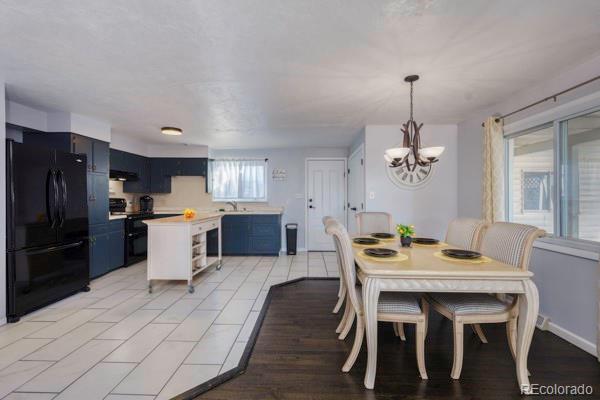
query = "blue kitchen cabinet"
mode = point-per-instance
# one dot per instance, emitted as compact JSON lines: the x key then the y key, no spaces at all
{"x":160,"y":181}
{"x":97,"y":198}
{"x":99,"y":250}
{"x":116,"y":243}
{"x":251,"y":234}
{"x":236,"y":230}
{"x":265,"y":234}
{"x":141,"y":166}
{"x":117,"y":159}
{"x":100,"y":152}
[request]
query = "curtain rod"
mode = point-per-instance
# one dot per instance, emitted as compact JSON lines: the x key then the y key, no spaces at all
{"x":545,"y":99}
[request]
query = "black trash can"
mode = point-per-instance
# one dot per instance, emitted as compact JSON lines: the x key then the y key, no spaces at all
{"x":291,"y":236}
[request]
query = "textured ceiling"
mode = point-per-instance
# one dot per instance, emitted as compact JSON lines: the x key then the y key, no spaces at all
{"x":272,"y":73}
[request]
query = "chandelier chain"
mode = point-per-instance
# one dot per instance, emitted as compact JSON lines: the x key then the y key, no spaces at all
{"x":411,"y":101}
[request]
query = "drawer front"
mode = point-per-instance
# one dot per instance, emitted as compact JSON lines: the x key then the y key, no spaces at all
{"x":265,"y":230}
{"x":204,"y":226}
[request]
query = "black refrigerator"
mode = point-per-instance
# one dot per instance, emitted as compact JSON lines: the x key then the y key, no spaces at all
{"x":46,"y":227}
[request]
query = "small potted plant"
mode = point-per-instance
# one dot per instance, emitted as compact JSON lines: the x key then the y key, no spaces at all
{"x":406,"y":233}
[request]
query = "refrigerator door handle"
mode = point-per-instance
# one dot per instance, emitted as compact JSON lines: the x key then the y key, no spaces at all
{"x":56,"y":197}
{"x":54,"y":248}
{"x":49,"y":207}
{"x":60,"y":176}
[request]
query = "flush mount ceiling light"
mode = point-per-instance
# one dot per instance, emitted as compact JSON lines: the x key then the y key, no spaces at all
{"x":168,"y":130}
{"x":411,"y":155}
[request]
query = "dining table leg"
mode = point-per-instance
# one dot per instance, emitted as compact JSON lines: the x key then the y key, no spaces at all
{"x":529,"y":304}
{"x":370,"y":292}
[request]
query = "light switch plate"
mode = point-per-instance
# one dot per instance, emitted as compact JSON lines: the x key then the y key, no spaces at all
{"x":371,"y":195}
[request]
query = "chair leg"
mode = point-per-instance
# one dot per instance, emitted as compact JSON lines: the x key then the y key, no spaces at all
{"x":400,"y":329}
{"x":420,"y":328}
{"x":340,"y":301}
{"x":425,"y":307}
{"x":344,"y":316}
{"x":358,"y":339}
{"x":348,"y":324}
{"x":477,"y":329}
{"x":511,"y":333}
{"x":458,"y":349}
{"x":396,"y":333}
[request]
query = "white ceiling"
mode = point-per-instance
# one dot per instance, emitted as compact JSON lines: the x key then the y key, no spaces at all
{"x":273,"y":73}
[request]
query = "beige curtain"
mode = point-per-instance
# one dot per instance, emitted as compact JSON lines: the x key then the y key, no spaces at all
{"x":493,"y":171}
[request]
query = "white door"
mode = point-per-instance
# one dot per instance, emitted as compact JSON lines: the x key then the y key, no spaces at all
{"x":356,"y":187}
{"x":325,"y":195}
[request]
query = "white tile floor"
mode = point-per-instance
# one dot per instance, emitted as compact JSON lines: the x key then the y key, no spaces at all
{"x":119,"y":342}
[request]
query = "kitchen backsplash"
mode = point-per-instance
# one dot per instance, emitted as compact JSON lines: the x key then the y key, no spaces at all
{"x":186,"y":191}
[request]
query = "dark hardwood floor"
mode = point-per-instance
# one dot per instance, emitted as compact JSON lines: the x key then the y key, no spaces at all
{"x":298,"y":356}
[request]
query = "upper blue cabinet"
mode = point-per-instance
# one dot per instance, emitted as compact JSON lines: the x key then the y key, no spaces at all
{"x":154,"y":174}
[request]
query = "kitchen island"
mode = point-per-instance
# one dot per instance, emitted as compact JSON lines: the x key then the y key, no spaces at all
{"x":177,"y":247}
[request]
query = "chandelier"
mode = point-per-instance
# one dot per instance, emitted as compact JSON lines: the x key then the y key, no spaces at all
{"x":411,"y":153}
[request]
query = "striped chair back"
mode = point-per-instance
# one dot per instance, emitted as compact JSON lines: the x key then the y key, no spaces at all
{"x":510,"y":243}
{"x":465,"y":233}
{"x":370,"y":222}
{"x":346,"y":255}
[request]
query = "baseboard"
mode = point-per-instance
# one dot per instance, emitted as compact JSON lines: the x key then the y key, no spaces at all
{"x":299,"y":250}
{"x":572,"y":338}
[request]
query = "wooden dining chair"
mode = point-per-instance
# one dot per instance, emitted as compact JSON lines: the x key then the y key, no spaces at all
{"x":466,"y":233}
{"x":370,"y":222}
{"x":391,"y":307}
{"x":342,"y":287}
{"x":503,"y":241}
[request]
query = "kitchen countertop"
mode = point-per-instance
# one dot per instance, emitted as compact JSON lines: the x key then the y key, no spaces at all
{"x":113,"y":217}
{"x":256,"y":211}
{"x":180,"y":219}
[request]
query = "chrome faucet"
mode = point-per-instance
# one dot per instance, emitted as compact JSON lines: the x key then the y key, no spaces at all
{"x":233,"y":204}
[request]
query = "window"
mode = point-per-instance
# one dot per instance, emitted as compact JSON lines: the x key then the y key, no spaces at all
{"x":239,"y":180}
{"x":553,"y":176}
{"x":531,"y":161}
{"x":580,"y":157}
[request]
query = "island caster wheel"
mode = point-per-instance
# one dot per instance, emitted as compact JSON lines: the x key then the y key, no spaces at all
{"x":219,"y":266}
{"x":190,"y":289}
{"x":86,"y":289}
{"x":149,"y":288}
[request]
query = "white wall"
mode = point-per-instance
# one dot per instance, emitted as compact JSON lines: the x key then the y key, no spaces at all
{"x":141,"y":148}
{"x":59,"y":121}
{"x":29,"y":117}
{"x":430,"y":207}
{"x":290,"y":193}
{"x":567,"y":284}
{"x":177,"y":150}
{"x":2,"y":204}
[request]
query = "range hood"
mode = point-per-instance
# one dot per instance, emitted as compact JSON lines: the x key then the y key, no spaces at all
{"x":117,"y":175}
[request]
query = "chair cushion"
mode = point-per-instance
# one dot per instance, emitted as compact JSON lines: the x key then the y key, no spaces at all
{"x":470,"y":303}
{"x":395,"y":302}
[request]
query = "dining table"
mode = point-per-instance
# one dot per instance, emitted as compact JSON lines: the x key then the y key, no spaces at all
{"x":423,"y":269}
